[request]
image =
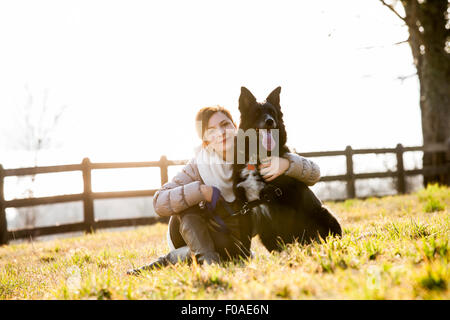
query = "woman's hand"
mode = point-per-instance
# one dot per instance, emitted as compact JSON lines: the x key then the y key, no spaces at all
{"x":273,"y":167}
{"x":207,"y":192}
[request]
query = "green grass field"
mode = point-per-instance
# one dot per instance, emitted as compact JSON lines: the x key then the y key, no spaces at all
{"x":394,"y":247}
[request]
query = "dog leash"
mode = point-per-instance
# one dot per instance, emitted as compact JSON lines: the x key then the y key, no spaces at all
{"x":211,"y":206}
{"x":246,"y":208}
{"x":266,"y":197}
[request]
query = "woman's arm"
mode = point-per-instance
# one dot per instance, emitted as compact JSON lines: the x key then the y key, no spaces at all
{"x":302,"y":169}
{"x":182,"y":192}
{"x":292,"y":165}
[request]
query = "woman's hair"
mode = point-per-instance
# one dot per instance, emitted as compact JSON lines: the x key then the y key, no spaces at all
{"x":203,"y":115}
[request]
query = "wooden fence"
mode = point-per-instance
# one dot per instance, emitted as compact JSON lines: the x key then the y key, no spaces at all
{"x":90,"y":224}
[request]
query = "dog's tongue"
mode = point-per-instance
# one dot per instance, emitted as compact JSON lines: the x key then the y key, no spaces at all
{"x":267,"y":140}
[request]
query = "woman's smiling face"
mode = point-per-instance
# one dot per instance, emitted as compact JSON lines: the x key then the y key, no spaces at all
{"x":220,"y":133}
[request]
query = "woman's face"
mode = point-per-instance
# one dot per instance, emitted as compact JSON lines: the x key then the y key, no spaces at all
{"x":220,"y":133}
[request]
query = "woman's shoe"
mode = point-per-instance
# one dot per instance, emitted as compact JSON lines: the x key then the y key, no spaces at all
{"x":182,"y":254}
{"x":158,"y":264}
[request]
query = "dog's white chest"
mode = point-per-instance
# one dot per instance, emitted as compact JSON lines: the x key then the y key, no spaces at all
{"x":252,"y":184}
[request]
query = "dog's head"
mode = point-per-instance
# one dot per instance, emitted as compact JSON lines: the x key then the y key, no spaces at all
{"x":262,"y":115}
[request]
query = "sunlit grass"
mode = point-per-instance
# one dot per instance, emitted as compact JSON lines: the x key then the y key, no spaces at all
{"x":392,"y":248}
{"x":434,"y":197}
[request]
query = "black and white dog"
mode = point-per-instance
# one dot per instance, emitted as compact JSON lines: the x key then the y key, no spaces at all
{"x":283,"y":210}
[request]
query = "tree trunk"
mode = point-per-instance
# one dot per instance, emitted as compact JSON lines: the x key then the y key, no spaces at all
{"x":428,"y":41}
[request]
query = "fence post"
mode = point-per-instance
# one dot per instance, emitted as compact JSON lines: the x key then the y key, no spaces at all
{"x":350,"y":176}
{"x":163,"y":165}
{"x":3,"y":222}
{"x":88,"y":201}
{"x":401,"y":185}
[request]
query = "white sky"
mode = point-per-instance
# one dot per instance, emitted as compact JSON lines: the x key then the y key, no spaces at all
{"x":134,"y":73}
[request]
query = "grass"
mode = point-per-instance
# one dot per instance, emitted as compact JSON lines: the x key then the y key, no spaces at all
{"x":434,"y":198}
{"x":395,"y":247}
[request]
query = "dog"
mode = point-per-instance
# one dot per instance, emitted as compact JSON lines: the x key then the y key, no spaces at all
{"x":286,"y":209}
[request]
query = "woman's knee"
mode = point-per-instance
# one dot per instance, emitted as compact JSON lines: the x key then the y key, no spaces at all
{"x":192,"y":216}
{"x":192,"y":221}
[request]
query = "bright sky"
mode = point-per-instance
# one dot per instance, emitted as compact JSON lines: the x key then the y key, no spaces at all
{"x":133,"y":73}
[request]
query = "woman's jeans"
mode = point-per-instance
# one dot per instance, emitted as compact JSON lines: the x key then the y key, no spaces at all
{"x":195,"y":234}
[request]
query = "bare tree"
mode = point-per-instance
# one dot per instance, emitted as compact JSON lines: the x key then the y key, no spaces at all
{"x":37,"y":123}
{"x":429,"y":39}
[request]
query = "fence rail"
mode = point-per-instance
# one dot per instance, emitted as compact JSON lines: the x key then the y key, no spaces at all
{"x":90,"y":224}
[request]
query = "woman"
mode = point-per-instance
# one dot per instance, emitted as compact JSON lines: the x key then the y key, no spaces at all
{"x":210,"y":173}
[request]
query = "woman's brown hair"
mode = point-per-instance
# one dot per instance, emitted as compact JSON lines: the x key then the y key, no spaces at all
{"x":203,"y":115}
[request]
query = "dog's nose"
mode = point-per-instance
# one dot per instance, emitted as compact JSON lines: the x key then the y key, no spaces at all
{"x":270,"y":123}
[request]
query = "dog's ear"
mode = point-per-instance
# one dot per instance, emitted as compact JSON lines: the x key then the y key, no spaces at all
{"x":246,"y":98}
{"x":274,"y":97}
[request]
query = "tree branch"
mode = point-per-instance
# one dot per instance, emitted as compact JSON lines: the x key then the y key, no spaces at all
{"x":383,"y":45}
{"x":393,"y":10}
{"x":401,"y":42}
{"x":403,"y":78}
